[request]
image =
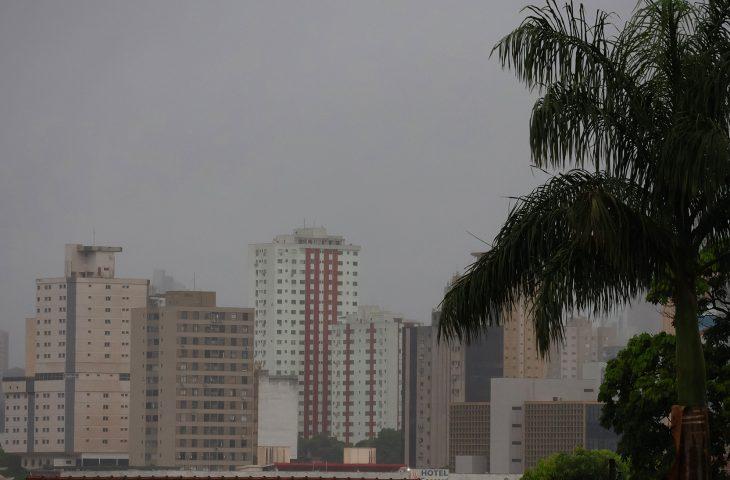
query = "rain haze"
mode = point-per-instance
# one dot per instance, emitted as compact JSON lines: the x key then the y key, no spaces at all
{"x":183,"y":131}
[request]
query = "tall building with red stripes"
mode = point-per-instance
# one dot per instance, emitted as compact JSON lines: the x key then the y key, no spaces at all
{"x":366,"y":384}
{"x":300,"y":284}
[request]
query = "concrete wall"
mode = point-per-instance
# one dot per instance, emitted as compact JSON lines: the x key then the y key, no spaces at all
{"x":278,"y":397}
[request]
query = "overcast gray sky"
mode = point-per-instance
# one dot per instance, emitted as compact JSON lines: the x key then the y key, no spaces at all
{"x":185,"y":130}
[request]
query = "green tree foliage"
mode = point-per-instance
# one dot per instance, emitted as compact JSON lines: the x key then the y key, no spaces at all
{"x":10,"y":466}
{"x":579,"y":465}
{"x":633,"y":121}
{"x":321,"y":447}
{"x":639,"y":391}
{"x":388,"y":446}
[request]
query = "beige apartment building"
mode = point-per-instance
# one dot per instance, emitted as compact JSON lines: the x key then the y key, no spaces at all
{"x":72,"y":406}
{"x":193,"y":389}
{"x":521,"y":357}
{"x":469,"y":432}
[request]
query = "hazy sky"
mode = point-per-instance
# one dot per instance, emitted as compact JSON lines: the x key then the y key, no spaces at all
{"x":183,"y":131}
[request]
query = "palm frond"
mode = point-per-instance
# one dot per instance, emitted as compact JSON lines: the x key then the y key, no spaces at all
{"x":581,"y":241}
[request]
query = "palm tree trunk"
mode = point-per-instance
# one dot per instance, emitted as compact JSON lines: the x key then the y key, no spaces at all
{"x":690,"y":425}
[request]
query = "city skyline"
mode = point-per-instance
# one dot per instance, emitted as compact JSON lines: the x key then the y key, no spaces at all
{"x":354,"y":118}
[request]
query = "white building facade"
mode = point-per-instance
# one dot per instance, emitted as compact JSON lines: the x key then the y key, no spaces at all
{"x":366,"y":382}
{"x":301,"y":284}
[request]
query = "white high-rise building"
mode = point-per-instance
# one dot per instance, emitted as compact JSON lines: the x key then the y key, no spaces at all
{"x":366,"y":380}
{"x":300,"y":284}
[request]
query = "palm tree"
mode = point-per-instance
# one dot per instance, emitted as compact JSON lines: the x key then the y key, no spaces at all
{"x":633,"y":123}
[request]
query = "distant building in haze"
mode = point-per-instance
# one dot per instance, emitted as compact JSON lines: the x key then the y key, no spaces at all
{"x":521,"y":357}
{"x":4,"y":351}
{"x":162,"y":282}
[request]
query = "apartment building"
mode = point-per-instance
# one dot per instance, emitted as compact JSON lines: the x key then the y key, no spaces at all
{"x":193,"y":389}
{"x":437,"y":375}
{"x":72,"y":406}
{"x":366,"y":378}
{"x":521,"y":357}
{"x":469,"y":431}
{"x":583,"y":344}
{"x":301,"y":284}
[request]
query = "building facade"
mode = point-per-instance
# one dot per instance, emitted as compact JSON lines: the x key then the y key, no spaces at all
{"x":521,"y":357}
{"x":194,"y":402}
{"x":516,"y":432}
{"x":366,"y":379}
{"x":562,"y":426}
{"x":583,"y":343}
{"x":277,"y":423}
{"x":301,"y":284}
{"x":437,"y":375}
{"x":72,"y":406}
{"x":469,"y":431}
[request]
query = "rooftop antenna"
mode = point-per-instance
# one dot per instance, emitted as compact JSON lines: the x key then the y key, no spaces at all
{"x":93,"y":236}
{"x":194,"y":281}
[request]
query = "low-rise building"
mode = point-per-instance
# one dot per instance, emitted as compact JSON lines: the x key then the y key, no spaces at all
{"x":533,"y":418}
{"x":469,"y":432}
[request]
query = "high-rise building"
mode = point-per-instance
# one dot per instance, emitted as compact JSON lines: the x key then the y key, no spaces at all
{"x":301,"y":284}
{"x":584,"y":344}
{"x":71,"y":408}
{"x":438,"y":374}
{"x":366,"y":378}
{"x":193,"y":392}
{"x":521,"y":357}
{"x":469,"y":431}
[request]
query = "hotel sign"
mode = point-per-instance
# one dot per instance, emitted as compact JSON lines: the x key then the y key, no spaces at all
{"x":430,"y":473}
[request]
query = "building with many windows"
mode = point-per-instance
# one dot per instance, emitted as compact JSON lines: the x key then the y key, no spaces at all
{"x":71,"y":408}
{"x":469,"y":432}
{"x":366,"y":378}
{"x":533,"y":418}
{"x":194,"y":402}
{"x":301,"y":284}
{"x":437,"y":375}
{"x":562,"y":426}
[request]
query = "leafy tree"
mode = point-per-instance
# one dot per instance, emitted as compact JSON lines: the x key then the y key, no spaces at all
{"x":10,"y":466}
{"x":639,"y":391}
{"x":321,"y":447}
{"x":388,"y":446}
{"x":641,"y":113}
{"x":579,"y":465}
